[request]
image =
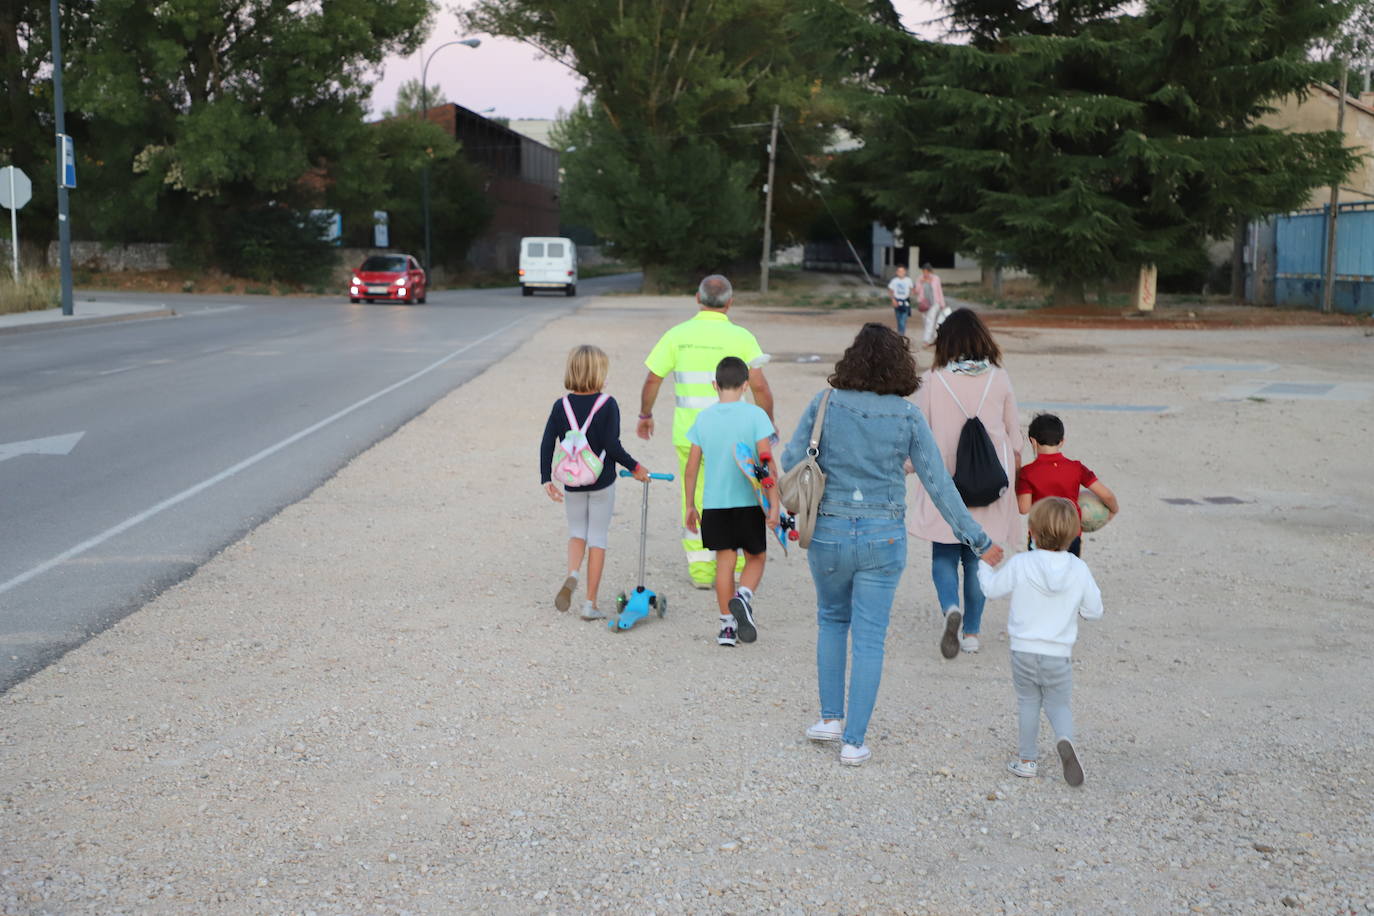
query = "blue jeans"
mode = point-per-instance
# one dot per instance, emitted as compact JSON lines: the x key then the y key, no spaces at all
{"x":856,"y":564}
{"x":944,"y":569}
{"x":903,"y":310}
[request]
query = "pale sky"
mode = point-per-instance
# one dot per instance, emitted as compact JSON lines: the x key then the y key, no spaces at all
{"x":509,"y":76}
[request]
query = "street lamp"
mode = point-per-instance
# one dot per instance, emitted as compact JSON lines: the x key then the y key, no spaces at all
{"x":424,"y":113}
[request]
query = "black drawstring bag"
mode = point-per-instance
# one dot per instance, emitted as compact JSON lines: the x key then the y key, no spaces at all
{"x":978,"y":474}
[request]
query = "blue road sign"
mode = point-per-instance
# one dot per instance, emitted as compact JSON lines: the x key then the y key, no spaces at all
{"x":66,"y":155}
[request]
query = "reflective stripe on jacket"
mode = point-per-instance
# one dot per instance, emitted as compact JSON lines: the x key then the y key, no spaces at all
{"x":689,"y":353}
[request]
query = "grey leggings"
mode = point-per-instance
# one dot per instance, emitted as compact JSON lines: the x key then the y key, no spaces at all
{"x":589,"y":514}
{"x":1041,"y":680}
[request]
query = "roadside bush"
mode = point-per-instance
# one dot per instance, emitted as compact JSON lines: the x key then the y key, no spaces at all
{"x":277,"y":244}
{"x":33,"y":292}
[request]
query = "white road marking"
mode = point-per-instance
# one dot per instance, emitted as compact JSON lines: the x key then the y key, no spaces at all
{"x":243,"y":465}
{"x":52,"y":445}
{"x":119,"y":370}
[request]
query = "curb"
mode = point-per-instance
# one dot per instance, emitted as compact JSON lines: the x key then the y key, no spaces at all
{"x":82,"y":322}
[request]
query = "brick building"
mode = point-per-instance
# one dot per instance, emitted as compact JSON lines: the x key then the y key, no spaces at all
{"x":521,"y":184}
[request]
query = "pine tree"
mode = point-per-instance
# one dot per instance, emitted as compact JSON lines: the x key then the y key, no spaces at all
{"x":1080,"y":141}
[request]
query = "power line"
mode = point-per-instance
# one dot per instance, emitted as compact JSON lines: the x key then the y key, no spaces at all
{"x":806,"y":170}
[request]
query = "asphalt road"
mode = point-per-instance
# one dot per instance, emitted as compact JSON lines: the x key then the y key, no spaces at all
{"x":195,"y":429}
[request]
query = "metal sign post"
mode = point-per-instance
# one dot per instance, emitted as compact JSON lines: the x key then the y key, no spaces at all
{"x":64,"y":226}
{"x":15,"y":191}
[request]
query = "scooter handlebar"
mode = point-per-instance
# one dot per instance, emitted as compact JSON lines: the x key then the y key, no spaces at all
{"x":625,"y":473}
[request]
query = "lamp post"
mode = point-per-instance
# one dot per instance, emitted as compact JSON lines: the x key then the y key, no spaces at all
{"x":424,"y":113}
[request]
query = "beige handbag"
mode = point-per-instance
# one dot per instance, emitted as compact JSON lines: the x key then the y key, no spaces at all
{"x":803,"y":485}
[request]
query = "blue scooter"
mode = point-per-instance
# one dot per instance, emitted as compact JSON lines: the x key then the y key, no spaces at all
{"x":633,"y":608}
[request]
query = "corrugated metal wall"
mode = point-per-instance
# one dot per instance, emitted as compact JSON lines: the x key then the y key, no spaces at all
{"x":1300,"y":258}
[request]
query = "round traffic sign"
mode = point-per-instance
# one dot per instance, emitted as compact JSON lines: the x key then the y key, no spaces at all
{"x":15,"y":187}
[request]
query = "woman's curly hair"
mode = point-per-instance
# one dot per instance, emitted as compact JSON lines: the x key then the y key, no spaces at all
{"x":879,"y":360}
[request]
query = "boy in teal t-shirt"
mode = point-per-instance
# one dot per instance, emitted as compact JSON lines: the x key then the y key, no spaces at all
{"x":730,"y":518}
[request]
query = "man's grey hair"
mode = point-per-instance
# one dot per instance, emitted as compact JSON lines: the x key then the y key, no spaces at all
{"x":715,"y":292}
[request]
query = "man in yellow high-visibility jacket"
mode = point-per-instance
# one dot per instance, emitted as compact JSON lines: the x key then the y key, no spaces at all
{"x":690,"y":351}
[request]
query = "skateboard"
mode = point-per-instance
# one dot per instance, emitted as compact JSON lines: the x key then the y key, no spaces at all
{"x":631,"y":608}
{"x":756,"y":470}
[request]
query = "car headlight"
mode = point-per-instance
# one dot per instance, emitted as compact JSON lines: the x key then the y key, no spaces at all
{"x":357,"y":282}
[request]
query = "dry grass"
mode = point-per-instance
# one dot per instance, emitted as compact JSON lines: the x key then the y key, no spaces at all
{"x":34,"y":292}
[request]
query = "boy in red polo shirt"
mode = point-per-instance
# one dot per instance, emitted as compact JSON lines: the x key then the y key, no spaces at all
{"x":1052,"y":474}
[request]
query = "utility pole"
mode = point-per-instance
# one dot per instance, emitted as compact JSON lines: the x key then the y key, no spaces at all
{"x":64,"y":225}
{"x":1329,"y":276}
{"x":768,"y":205}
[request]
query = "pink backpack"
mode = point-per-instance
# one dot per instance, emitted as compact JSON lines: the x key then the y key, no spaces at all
{"x":579,"y":466}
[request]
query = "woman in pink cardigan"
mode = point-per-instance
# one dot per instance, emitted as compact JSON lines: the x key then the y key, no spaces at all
{"x":930,"y":299}
{"x":966,"y":379}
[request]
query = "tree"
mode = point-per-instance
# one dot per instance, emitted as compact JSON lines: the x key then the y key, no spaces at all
{"x":1081,"y":142}
{"x":657,"y":161}
{"x":26,"y":100}
{"x":384,"y":174}
{"x":198,"y":115}
{"x":408,"y":99}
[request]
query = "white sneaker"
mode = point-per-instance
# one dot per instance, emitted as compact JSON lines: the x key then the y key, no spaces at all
{"x":826,"y":731}
{"x":1026,"y":768}
{"x":969,"y":644}
{"x":591,"y":612}
{"x":852,"y":756}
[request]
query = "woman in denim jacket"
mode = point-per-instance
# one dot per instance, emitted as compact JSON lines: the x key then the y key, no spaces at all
{"x":858,"y":550}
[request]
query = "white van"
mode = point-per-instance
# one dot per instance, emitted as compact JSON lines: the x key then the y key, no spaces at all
{"x":548,"y":263}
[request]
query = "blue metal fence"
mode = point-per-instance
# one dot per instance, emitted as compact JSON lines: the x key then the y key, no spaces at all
{"x":1300,"y":258}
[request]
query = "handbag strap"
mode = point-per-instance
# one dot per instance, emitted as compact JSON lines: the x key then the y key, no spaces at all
{"x":815,"y":448}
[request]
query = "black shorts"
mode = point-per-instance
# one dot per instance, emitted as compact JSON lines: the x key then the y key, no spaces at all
{"x":743,"y":528}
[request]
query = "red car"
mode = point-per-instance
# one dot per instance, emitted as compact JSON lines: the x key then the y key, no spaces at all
{"x":396,"y":277}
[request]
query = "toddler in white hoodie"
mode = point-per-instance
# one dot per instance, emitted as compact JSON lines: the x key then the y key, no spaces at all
{"x":1050,"y":589}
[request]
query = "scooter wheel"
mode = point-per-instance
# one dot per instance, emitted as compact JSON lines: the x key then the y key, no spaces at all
{"x":620,"y":602}
{"x":662,"y":607}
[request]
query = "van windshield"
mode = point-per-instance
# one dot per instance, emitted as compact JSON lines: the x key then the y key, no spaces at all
{"x":555,"y":249}
{"x":380,"y":263}
{"x":535,"y":249}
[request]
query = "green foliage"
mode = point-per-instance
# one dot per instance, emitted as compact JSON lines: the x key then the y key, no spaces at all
{"x":385,"y":173}
{"x":275,"y":243}
{"x":1080,"y":141}
{"x":408,"y":101}
{"x":657,"y":162}
{"x":674,"y":206}
{"x":192,"y":116}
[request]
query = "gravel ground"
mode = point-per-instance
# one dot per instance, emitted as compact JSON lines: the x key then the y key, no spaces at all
{"x":370,"y":705}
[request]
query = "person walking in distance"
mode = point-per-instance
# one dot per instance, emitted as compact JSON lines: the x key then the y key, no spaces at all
{"x":930,"y":299}
{"x":690,"y":352}
{"x":899,"y":289}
